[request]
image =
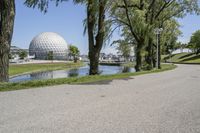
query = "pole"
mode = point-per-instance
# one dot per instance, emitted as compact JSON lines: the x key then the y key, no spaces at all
{"x":157,"y":52}
{"x":157,"y":32}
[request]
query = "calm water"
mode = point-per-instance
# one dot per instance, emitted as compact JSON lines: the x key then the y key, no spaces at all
{"x":82,"y":71}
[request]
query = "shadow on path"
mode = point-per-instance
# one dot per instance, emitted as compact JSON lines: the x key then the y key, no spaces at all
{"x":105,"y":82}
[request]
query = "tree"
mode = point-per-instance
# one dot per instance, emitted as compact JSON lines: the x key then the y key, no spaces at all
{"x":23,"y":54}
{"x":96,"y":25}
{"x":194,"y":43}
{"x":128,"y":14}
{"x":124,"y":48}
{"x":7,"y":16}
{"x":173,"y":47}
{"x":141,"y":17}
{"x":73,"y":51}
{"x":50,"y":55}
{"x":169,"y":37}
{"x":10,"y":56}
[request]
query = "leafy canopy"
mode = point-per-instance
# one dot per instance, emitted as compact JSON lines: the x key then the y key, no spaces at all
{"x":195,"y":41}
{"x":73,"y":50}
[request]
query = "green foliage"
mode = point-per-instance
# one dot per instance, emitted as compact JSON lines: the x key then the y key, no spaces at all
{"x":10,"y":56}
{"x":141,"y":17}
{"x":173,"y":46}
{"x":124,"y":48}
{"x":169,"y":36}
{"x":73,"y":51}
{"x":50,"y":55}
{"x":194,"y":43}
{"x":42,"y":5}
{"x":23,"y":54}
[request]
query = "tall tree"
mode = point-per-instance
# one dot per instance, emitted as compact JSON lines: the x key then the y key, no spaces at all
{"x":170,"y":35}
{"x":131,"y":14}
{"x":195,"y":42}
{"x":23,"y":54}
{"x":143,"y":16}
{"x":124,"y":48}
{"x":95,"y":24}
{"x":7,"y":16}
{"x":73,"y":51}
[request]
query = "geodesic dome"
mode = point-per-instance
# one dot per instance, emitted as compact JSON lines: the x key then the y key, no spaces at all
{"x":47,"y":42}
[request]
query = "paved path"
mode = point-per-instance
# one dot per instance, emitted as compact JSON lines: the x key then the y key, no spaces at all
{"x":167,"y":102}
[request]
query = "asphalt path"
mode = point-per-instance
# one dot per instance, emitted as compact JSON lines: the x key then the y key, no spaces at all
{"x":166,"y":102}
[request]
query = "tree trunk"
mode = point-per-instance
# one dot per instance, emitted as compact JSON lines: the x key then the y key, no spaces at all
{"x":149,"y":58}
{"x":91,"y":23}
{"x":198,"y":51}
{"x":138,"y":65}
{"x":95,"y":46}
{"x":75,"y":59}
{"x":7,"y":15}
{"x":154,"y":62}
{"x":4,"y":63}
{"x":94,"y":63}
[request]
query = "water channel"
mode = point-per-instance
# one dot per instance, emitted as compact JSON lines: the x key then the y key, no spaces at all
{"x":77,"y":72}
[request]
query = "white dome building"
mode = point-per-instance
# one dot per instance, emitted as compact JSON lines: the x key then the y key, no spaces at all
{"x":47,"y":42}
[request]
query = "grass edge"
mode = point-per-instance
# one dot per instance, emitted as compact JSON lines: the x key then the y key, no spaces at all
{"x":76,"y":80}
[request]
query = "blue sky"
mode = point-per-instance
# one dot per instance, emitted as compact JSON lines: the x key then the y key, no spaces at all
{"x":189,"y":25}
{"x":67,"y":20}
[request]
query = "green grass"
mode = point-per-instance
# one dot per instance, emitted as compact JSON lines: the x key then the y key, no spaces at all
{"x":18,"y":69}
{"x":129,"y":64}
{"x":76,"y":80}
{"x":189,"y":58}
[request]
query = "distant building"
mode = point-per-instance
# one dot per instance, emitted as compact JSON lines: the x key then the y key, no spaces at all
{"x":14,"y":50}
{"x":83,"y":58}
{"x":102,"y":56}
{"x":185,"y":50}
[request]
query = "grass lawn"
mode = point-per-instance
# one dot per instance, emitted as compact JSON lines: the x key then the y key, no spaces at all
{"x":18,"y":69}
{"x":76,"y":80}
{"x":129,"y":64}
{"x":126,"y":64}
{"x":189,"y":58}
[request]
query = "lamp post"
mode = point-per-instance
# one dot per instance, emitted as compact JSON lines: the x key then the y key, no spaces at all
{"x":157,"y":31}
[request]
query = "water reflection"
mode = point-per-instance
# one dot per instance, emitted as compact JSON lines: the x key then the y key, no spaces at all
{"x":126,"y":69}
{"x":73,"y":73}
{"x":42,"y":75}
{"x":82,"y":71}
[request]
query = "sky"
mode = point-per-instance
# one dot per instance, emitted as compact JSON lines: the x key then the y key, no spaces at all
{"x":189,"y":25}
{"x":67,"y":20}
